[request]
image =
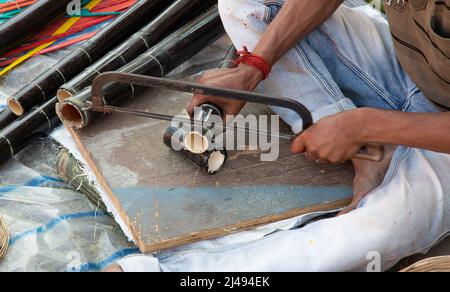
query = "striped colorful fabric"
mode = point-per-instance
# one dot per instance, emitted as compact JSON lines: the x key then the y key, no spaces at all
{"x":9,"y":8}
{"x":89,"y":23}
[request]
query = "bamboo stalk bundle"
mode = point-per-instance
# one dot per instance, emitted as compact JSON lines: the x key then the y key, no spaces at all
{"x":158,"y":61}
{"x":178,"y":14}
{"x":18,"y":134}
{"x":29,"y":22}
{"x":436,"y":264}
{"x":42,"y":88}
{"x":71,"y":171}
{"x":4,"y":239}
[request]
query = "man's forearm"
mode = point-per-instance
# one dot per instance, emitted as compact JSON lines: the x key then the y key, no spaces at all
{"x":295,"y":21}
{"x":419,"y":130}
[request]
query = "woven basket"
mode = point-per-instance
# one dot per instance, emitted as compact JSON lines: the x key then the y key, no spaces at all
{"x":437,"y":264}
{"x":4,"y":238}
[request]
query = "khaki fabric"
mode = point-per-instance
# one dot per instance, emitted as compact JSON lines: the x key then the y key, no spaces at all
{"x":421,"y":33}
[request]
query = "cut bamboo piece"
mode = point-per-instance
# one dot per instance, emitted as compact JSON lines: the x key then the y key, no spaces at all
{"x":158,"y":61}
{"x":212,"y":161}
{"x":178,"y":14}
{"x":32,"y":20}
{"x":18,"y":134}
{"x":4,"y":239}
{"x":43,"y":88}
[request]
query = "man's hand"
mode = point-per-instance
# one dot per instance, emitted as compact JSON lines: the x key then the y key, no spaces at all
{"x":334,"y":139}
{"x":244,"y":78}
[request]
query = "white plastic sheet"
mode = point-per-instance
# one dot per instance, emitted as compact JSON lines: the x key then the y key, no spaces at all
{"x":53,"y":227}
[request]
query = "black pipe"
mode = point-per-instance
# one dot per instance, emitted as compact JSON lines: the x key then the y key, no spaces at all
{"x":28,"y":23}
{"x":158,"y":61}
{"x":42,"y":88}
{"x":177,"y":15}
{"x":20,"y":133}
{"x":6,"y":118}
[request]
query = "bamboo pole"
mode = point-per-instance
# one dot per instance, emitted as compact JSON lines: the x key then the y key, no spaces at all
{"x":178,"y":14}
{"x":19,"y":134}
{"x":6,"y":118}
{"x":158,"y":61}
{"x":32,"y":20}
{"x":42,"y":88}
{"x":176,"y":49}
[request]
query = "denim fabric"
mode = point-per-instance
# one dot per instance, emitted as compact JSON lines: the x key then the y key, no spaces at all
{"x":348,"y":62}
{"x":356,"y":47}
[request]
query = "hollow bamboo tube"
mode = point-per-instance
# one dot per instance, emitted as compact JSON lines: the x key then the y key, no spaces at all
{"x":158,"y":61}
{"x":42,"y":88}
{"x":211,"y":161}
{"x":21,"y":132}
{"x":175,"y":16}
{"x":6,"y":118}
{"x":28,"y":23}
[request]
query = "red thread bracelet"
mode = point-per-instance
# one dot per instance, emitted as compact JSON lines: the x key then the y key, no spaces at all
{"x":245,"y":57}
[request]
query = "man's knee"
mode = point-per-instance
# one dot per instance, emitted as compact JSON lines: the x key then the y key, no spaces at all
{"x":240,"y":9}
{"x":242,"y":18}
{"x":228,"y":8}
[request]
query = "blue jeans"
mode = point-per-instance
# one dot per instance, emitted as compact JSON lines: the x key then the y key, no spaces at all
{"x":350,"y":61}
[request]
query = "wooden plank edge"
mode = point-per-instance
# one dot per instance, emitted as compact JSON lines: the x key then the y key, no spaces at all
{"x":101,"y":180}
{"x":246,"y":225}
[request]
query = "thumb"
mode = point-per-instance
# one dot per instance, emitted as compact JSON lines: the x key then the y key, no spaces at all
{"x":299,"y":145}
{"x":196,"y":101}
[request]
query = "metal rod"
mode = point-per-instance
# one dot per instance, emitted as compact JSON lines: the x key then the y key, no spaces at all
{"x":110,"y":77}
{"x":169,"y":118}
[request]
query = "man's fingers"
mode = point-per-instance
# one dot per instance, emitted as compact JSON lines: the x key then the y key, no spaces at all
{"x":196,"y":101}
{"x":298,"y":146}
{"x":312,"y":157}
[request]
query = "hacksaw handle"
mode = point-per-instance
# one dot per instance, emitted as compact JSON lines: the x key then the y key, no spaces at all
{"x":371,"y":152}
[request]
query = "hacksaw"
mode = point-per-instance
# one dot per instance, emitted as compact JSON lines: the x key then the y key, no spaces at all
{"x":370,"y":152}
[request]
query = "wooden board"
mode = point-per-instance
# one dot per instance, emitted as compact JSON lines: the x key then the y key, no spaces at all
{"x":166,"y":201}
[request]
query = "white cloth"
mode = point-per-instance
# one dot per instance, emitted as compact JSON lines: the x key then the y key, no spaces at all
{"x":408,"y":214}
